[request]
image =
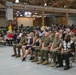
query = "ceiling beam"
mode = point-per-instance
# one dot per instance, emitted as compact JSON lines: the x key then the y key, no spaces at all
{"x":51,"y":9}
{"x":56,"y":3}
{"x":40,"y":8}
{"x":70,"y":2}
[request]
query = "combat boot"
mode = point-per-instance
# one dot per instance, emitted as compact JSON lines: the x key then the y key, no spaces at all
{"x":36,"y":56}
{"x":18,"y":56}
{"x":14,"y":49}
{"x":45,"y":62}
{"x":35,"y":59}
{"x":53,"y":64}
{"x":40,"y":61}
{"x":18,"y":53}
{"x":13,"y":55}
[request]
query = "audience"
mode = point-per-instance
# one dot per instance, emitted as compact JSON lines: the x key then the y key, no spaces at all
{"x":56,"y":40}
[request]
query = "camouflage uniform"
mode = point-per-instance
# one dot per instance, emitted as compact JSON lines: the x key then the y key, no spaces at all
{"x":42,"y":39}
{"x":56,"y":44}
{"x":22,"y":41}
{"x":44,"y":51}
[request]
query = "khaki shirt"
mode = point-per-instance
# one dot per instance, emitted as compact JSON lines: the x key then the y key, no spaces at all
{"x":51,"y":39}
{"x":46,"y":41}
{"x":56,"y":43}
{"x":42,"y":39}
{"x":23,"y":40}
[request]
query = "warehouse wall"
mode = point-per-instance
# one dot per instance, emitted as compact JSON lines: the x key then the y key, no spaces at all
{"x":38,"y":21}
{"x":61,"y":20}
{"x":50,"y":20}
{"x":25,"y":21}
{"x":72,"y":20}
{"x":3,"y":22}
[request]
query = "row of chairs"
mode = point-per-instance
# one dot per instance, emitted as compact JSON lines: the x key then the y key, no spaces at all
{"x":2,"y":41}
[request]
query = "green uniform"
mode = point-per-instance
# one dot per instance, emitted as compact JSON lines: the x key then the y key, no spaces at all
{"x":51,"y":39}
{"x":56,"y":44}
{"x":44,"y":52}
{"x":22,"y":41}
{"x":46,"y":41}
{"x":42,"y":39}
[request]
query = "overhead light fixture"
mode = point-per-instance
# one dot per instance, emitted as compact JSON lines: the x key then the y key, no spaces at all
{"x":65,"y":6}
{"x":21,"y":15}
{"x":28,"y":14}
{"x":17,"y":13}
{"x":16,"y":1}
{"x":45,"y":4}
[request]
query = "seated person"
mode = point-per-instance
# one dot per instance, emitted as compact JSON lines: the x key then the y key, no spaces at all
{"x":67,"y":51}
{"x":19,"y":34}
{"x":44,"y":50}
{"x":25,"y":48}
{"x":2,"y":41}
{"x":9,"y":39}
{"x":72,"y":37}
{"x":2,"y":33}
{"x":36,"y":47}
{"x":22,"y":42}
{"x":38,"y":50}
{"x":14,"y":36}
{"x":55,"y":48}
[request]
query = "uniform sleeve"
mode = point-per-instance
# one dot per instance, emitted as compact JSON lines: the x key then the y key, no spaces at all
{"x":61,"y":41}
{"x":42,"y":39}
{"x":50,"y":40}
{"x":53,"y":41}
{"x":62,"y":44}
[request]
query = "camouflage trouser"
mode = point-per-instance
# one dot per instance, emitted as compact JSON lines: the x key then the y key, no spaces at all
{"x":36,"y":51}
{"x":54,"y":54}
{"x":44,"y":53}
{"x":18,"y":46}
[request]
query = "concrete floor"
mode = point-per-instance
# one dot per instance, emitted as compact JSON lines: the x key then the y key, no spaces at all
{"x":14,"y":66}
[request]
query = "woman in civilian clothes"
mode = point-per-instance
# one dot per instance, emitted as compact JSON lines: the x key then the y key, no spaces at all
{"x":9,"y":38}
{"x":25,"y":48}
{"x":36,"y":47}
